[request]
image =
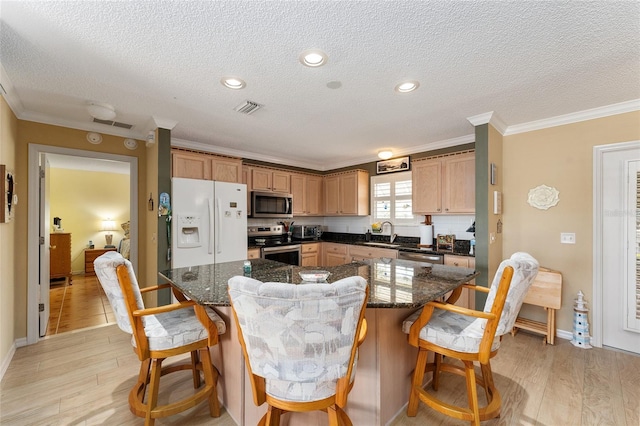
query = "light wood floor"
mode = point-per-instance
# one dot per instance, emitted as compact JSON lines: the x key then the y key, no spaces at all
{"x":80,"y":305}
{"x":83,"y":378}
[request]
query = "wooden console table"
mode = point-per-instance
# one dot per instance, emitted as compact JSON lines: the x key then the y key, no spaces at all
{"x":545,"y":291}
{"x":90,"y":255}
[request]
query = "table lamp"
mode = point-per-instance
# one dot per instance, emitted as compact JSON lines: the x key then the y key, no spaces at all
{"x":108,"y":226}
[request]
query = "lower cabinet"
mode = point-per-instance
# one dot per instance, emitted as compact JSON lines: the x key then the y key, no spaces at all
{"x":310,"y":254}
{"x":253,"y":253}
{"x":467,"y":298}
{"x":363,"y":253}
{"x":335,"y":254}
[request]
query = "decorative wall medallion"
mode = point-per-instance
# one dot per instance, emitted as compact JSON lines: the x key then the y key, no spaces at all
{"x":130,"y":144}
{"x":542,"y":197}
{"x":94,"y":138}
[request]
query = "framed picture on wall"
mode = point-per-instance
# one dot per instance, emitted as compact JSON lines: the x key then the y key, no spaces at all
{"x":9,"y":197}
{"x":400,"y":164}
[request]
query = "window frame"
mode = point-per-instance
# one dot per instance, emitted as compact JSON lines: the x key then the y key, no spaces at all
{"x":391,"y":178}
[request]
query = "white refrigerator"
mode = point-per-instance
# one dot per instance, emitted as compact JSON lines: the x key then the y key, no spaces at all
{"x":208,"y":222}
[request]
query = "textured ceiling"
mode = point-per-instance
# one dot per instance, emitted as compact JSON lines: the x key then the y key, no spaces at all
{"x":161,"y":62}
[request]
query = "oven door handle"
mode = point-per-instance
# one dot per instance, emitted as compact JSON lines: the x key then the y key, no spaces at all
{"x":283,"y":249}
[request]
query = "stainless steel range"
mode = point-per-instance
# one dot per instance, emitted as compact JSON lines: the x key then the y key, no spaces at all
{"x":274,"y":244}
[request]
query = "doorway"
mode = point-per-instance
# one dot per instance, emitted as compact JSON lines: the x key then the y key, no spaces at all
{"x":38,"y":283}
{"x":616,"y":292}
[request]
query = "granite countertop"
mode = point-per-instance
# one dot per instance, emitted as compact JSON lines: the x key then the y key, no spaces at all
{"x":393,"y":283}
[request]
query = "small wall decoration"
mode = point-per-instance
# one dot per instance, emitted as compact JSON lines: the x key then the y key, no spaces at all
{"x":400,"y":164}
{"x":9,"y":198}
{"x":543,"y":197}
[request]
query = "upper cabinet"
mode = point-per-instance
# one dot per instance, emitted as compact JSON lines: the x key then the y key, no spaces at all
{"x":197,"y":165}
{"x":270,"y":180}
{"x":444,"y":185}
{"x":347,"y":193}
{"x":307,"y":194}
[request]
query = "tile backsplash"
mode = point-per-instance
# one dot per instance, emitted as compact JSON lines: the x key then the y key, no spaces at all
{"x":450,"y":224}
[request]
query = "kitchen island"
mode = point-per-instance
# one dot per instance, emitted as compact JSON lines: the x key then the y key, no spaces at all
{"x":397,"y":289}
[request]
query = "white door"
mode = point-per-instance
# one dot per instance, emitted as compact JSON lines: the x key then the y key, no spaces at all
{"x":616,"y":268}
{"x":43,"y":299}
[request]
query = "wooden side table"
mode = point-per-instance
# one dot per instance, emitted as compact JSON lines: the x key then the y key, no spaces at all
{"x":545,"y":291}
{"x":90,"y":255}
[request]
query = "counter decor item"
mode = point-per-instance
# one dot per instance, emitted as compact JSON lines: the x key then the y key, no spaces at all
{"x":376,"y":227}
{"x":445,"y":242}
{"x":314,"y":276}
{"x":426,"y":233}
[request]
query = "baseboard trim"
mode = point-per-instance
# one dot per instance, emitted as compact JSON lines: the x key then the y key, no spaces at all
{"x":563,"y":334}
{"x":7,"y":360}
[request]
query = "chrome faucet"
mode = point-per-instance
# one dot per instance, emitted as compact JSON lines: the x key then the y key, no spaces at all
{"x":392,"y":236}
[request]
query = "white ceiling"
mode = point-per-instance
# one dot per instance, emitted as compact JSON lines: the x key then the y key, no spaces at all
{"x":162,"y":61}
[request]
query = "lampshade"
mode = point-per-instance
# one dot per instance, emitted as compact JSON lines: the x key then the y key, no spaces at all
{"x":472,"y":228}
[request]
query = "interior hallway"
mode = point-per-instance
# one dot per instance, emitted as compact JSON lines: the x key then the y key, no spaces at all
{"x":80,"y":305}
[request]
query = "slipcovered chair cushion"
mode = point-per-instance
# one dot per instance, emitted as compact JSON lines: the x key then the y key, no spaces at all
{"x":298,"y":337}
{"x":464,"y":333}
{"x":164,"y":331}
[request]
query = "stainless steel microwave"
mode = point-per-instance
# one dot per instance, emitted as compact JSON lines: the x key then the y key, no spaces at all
{"x":271,"y":204}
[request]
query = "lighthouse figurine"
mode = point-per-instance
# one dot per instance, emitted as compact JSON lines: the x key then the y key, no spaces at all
{"x":581,"y":336}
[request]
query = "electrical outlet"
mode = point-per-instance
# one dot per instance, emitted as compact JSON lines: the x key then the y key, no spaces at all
{"x":492,"y":237}
{"x":567,"y":238}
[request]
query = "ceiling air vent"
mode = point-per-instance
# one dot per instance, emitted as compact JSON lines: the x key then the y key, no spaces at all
{"x":248,"y":107}
{"x":113,"y":123}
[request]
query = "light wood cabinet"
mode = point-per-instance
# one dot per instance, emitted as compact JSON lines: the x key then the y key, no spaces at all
{"x":60,"y":255}
{"x":307,"y":195}
{"x":196,"y":165}
{"x":444,"y":185}
{"x":310,"y":254}
{"x":90,"y":255}
{"x":253,"y":253}
{"x":347,"y":193}
{"x":363,"y":253}
{"x":467,"y":298}
{"x":269,"y":180}
{"x":334,"y":254}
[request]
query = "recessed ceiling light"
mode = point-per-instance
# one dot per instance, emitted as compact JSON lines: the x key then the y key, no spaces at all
{"x":407,"y":86}
{"x":385,"y":155}
{"x":313,"y":58}
{"x":233,"y":82}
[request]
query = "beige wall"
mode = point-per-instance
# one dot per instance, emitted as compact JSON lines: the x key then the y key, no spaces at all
{"x":83,"y":199}
{"x":8,"y":142}
{"x":560,"y":157}
{"x":44,"y":134}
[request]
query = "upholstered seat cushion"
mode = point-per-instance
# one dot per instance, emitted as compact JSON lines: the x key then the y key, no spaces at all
{"x":463,"y":333}
{"x":452,"y":331}
{"x":177,"y":328}
{"x":166,"y":330}
{"x":298,"y":337}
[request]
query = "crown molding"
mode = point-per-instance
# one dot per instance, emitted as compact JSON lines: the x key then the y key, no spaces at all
{"x":8,"y":92}
{"x":575,"y":117}
{"x":164,"y":123}
{"x":489,"y":118}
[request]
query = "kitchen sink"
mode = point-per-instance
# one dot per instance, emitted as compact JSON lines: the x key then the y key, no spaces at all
{"x":385,"y":245}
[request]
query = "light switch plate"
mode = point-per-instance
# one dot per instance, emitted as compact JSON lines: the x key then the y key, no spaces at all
{"x":567,"y":238}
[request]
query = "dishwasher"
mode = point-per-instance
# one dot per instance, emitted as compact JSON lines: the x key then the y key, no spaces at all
{"x":421,"y":257}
